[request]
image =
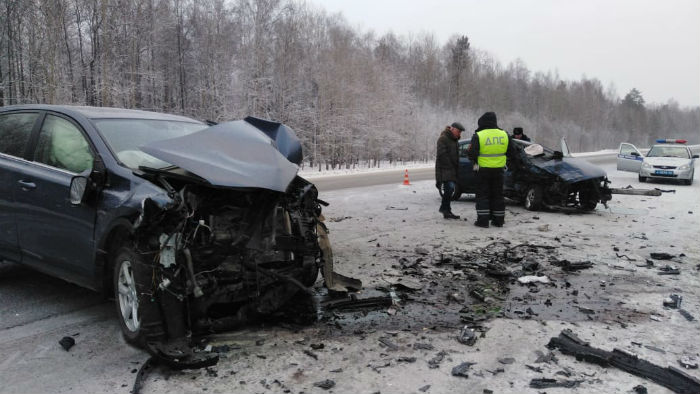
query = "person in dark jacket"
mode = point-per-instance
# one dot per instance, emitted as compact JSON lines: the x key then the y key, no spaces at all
{"x":447,"y":166}
{"x":489,"y":147}
{"x":519,"y":135}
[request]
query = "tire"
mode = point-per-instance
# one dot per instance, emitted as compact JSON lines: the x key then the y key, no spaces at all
{"x":689,"y":181}
{"x":642,"y":179}
{"x":587,"y":199}
{"x":533,"y":198}
{"x":138,"y":315}
{"x":310,"y":274}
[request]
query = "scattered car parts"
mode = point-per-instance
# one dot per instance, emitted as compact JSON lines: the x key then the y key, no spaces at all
{"x":672,"y":378}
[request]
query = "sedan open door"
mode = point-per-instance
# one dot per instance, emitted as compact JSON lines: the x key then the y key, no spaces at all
{"x":629,"y":158}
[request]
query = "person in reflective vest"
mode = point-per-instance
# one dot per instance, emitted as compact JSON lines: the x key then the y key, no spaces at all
{"x":489,"y":147}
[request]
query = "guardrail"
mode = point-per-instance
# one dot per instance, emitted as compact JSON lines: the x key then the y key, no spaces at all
{"x":613,"y":153}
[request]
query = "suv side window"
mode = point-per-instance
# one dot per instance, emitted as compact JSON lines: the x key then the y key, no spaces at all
{"x":15,"y":130}
{"x":62,"y":145}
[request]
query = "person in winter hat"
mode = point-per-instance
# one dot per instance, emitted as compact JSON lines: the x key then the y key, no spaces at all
{"x":447,"y":166}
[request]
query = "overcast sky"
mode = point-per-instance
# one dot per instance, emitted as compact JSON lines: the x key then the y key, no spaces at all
{"x":651,"y":45}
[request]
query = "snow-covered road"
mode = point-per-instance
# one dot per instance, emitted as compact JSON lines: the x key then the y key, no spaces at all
{"x":614,"y":304}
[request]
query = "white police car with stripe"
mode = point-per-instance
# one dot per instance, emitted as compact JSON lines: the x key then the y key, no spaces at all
{"x":667,"y":159}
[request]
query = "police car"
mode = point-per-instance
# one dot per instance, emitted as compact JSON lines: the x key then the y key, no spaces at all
{"x":667,"y":159}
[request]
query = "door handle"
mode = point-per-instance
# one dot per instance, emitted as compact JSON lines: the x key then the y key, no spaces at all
{"x":27,"y":185}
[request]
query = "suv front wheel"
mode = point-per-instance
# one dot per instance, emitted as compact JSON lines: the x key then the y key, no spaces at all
{"x":533,"y":198}
{"x":138,"y":314}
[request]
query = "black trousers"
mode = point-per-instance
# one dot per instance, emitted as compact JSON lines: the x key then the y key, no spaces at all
{"x":489,"y":195}
{"x":448,"y":188}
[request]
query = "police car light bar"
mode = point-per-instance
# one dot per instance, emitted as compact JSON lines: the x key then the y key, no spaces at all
{"x":670,"y":141}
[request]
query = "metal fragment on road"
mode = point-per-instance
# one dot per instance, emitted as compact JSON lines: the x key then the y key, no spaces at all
{"x":637,"y":192}
{"x":467,"y":336}
{"x":661,"y":256}
{"x":423,"y":346}
{"x":543,"y":383}
{"x":325,"y":384}
{"x":670,"y":377}
{"x":567,"y":265}
{"x":435,"y":361}
{"x":391,"y":346}
{"x":462,"y":369}
{"x":687,"y":315}
{"x":147,"y":366}
{"x":673,"y":301}
{"x":311,"y":354}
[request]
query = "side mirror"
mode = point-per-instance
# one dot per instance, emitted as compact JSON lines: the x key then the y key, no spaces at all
{"x":78,"y":188}
{"x":82,"y":185}
{"x":696,"y":156}
{"x":633,"y":153}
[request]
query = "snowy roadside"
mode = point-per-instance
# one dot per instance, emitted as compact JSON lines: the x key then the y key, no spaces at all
{"x":312,"y":173}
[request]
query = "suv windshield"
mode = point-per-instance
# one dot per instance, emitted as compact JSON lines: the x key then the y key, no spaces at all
{"x":668,"y":151}
{"x":125,"y":137}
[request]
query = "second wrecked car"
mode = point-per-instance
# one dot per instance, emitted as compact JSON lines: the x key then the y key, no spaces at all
{"x":540,"y":177}
{"x":194,"y":229}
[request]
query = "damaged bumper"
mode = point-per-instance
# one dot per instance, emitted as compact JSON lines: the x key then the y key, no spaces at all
{"x":212,"y":259}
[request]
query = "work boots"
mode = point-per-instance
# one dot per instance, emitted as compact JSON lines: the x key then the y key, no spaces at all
{"x":482,"y":221}
{"x":449,"y":215}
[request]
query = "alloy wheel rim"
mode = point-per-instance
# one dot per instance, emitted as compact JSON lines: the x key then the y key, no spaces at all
{"x":530,"y":196}
{"x":128,"y":300}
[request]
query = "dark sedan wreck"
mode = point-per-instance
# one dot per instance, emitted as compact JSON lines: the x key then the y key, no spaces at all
{"x":543,"y":178}
{"x":195,"y":229}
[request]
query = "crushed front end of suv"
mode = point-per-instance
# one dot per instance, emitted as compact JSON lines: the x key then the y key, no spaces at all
{"x":193,"y":229}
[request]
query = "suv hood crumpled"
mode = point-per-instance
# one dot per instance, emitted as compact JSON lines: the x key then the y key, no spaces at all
{"x":237,"y":154}
{"x":570,"y":169}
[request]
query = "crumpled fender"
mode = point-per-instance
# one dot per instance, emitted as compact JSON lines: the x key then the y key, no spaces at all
{"x":334,"y":281}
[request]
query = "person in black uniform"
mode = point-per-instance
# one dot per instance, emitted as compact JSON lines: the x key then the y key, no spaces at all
{"x":488,"y":151}
{"x":519,"y":135}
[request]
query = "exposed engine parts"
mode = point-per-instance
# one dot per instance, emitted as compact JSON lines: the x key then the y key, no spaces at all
{"x":212,"y":258}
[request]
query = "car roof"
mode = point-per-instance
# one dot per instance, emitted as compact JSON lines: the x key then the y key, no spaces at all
{"x":102,"y":112}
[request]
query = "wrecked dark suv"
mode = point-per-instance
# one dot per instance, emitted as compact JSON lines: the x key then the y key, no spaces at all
{"x":540,"y":177}
{"x":192,"y":228}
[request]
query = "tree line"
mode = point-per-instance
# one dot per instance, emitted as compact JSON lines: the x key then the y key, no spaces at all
{"x":351,"y":96}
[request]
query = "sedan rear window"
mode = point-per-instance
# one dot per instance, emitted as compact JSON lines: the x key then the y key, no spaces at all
{"x":15,"y":130}
{"x":125,"y":137}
